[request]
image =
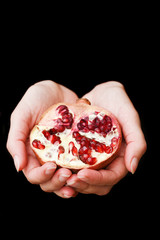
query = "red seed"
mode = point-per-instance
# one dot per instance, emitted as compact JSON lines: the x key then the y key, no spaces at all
{"x":60,"y":150}
{"x":114,"y":142}
{"x":54,"y":138}
{"x":52,"y":131}
{"x":83,"y":122}
{"x":62,"y":109}
{"x":46,"y":133}
{"x":97,"y":130}
{"x":97,"y":121}
{"x":74,"y":151}
{"x":99,"y":148}
{"x":65,"y":120}
{"x":82,"y":150}
{"x":84,"y":157}
{"x":91,"y":126}
{"x":76,"y":134}
{"x":91,"y":160}
{"x":93,"y":143}
{"x":104,"y":147}
{"x":79,"y":126}
{"x":109,"y":149}
{"x":37,"y":144}
{"x":60,"y":128}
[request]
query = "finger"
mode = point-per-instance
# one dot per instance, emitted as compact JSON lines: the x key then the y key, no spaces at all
{"x":66,"y":192}
{"x":98,"y":190}
{"x":113,"y":173}
{"x":94,"y":177}
{"x":136,"y":147}
{"x":37,"y":174}
{"x":17,"y":136}
{"x":57,"y":181}
{"x":75,"y":182}
{"x":134,"y":137}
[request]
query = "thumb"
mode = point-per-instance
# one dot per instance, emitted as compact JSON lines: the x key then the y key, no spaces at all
{"x":16,"y":143}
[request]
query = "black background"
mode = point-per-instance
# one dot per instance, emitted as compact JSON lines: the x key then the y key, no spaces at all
{"x":134,"y":197}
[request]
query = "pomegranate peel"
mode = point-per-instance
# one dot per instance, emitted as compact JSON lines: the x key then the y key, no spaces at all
{"x":76,"y":136}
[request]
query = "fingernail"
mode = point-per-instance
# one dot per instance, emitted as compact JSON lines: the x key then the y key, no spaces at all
{"x":50,"y":169}
{"x":65,"y":195}
{"x":134,"y":165}
{"x":63,"y":177}
{"x":81,"y":177}
{"x":72,"y":182}
{"x":16,"y":162}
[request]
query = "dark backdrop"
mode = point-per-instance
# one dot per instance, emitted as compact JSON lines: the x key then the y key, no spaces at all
{"x":131,"y":197}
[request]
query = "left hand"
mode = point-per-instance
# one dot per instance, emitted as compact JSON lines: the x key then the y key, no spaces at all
{"x":112,"y":96}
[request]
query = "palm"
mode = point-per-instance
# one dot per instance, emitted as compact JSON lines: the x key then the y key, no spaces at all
{"x":36,"y":100}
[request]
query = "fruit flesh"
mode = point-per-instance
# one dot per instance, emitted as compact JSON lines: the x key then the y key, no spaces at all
{"x":77,"y":140}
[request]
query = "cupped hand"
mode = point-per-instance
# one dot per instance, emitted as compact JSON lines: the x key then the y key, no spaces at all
{"x":36,"y":100}
{"x":112,"y":96}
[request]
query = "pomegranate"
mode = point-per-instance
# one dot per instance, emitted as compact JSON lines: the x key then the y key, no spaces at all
{"x":76,"y":136}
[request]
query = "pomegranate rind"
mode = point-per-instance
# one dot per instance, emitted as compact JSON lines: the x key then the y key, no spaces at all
{"x":79,"y":110}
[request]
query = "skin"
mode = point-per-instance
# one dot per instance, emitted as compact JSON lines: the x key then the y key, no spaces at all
{"x":37,"y":99}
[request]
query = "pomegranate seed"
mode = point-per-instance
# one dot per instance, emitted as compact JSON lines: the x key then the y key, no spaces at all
{"x":60,"y":128}
{"x":67,"y":117}
{"x":93,"y":143}
{"x":85,"y":129}
{"x":114,"y":142}
{"x":65,"y":120}
{"x":83,"y":122}
{"x":104,"y":147}
{"x":84,"y":157}
{"x":109,"y":149}
{"x":37,"y":144}
{"x":82,"y":150}
{"x":62,"y":109}
{"x":91,"y":160}
{"x":68,"y":125}
{"x":96,"y":113}
{"x":74,"y":151}
{"x":107,"y":118}
{"x":76,"y":134}
{"x":99,"y":148}
{"x":85,"y":142}
{"x":79,"y":126}
{"x":46,"y":133}
{"x":97,"y":121}
{"x":52,"y":131}
{"x":97,"y":130}
{"x":54,"y":138}
{"x":102,"y":128}
{"x":71,"y":144}
{"x":91,"y":126}
{"x":60,"y":150}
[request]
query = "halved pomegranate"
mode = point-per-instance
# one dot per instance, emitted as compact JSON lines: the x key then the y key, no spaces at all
{"x":76,"y":136}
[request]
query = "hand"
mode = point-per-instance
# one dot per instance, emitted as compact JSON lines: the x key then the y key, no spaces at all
{"x":112,"y":96}
{"x":36,"y":100}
